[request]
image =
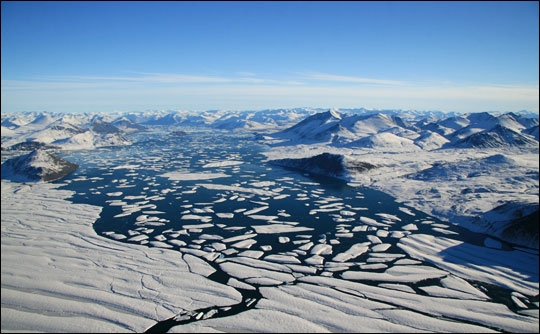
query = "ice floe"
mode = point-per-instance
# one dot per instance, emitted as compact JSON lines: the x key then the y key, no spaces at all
{"x":222,"y":164}
{"x":191,"y":176}
{"x":279,"y":228}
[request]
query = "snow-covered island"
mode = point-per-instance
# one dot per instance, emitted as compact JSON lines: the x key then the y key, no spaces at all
{"x":220,"y":239}
{"x":36,"y":166}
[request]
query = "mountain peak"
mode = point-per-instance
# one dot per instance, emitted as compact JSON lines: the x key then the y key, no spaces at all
{"x":334,"y":113}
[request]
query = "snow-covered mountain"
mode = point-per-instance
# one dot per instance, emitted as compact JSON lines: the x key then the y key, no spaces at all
{"x":7,"y":132}
{"x":260,"y":120}
{"x":56,"y":130}
{"x":38,"y":165}
{"x":392,"y":133}
{"x":174,"y":118}
{"x":352,"y":130}
{"x":231,"y":122}
{"x":386,"y":141}
{"x":321,"y":127}
{"x":390,"y":130}
{"x":41,"y":121}
{"x":64,"y":131}
{"x":498,"y":136}
{"x":127,"y":126}
{"x":532,"y":131}
{"x":90,"y":139}
{"x":429,"y":140}
{"x":99,"y":126}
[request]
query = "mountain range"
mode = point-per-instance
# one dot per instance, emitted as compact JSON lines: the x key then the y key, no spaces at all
{"x":390,"y":130}
{"x":393,"y":133}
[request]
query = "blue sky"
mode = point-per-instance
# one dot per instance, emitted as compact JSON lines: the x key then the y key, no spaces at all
{"x":105,"y":56}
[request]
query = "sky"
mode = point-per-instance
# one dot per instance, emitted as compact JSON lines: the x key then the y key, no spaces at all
{"x":133,"y":56}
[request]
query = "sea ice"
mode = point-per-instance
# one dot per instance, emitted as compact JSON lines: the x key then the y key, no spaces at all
{"x":372,"y":222}
{"x":403,"y":274}
{"x":374,"y":239}
{"x":380,"y":247}
{"x":244,"y":243}
{"x":222,"y":164}
{"x":281,"y":258}
{"x":353,"y":252}
{"x":251,"y":253}
{"x":410,"y":227}
{"x":225,"y":215}
{"x":188,"y":176}
{"x":253,"y":211}
{"x":407,"y":211}
{"x":198,"y":266}
{"x":279,"y":228}
{"x":241,"y":271}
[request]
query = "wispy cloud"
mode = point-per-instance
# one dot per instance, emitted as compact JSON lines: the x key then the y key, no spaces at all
{"x":28,"y":85}
{"x":138,"y":79}
{"x":153,"y":77}
{"x":233,"y":91}
{"x":349,"y":79}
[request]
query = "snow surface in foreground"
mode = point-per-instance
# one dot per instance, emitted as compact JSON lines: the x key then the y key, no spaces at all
{"x":59,"y":276}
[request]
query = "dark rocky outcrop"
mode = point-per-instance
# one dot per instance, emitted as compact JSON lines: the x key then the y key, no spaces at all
{"x":326,"y":164}
{"x":28,"y":146}
{"x":178,"y":133}
{"x":36,"y":166}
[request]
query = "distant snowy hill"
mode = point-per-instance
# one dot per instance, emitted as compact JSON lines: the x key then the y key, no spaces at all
{"x":321,"y":127}
{"x":355,"y":128}
{"x":55,"y":131}
{"x":429,"y":140}
{"x":532,"y":131}
{"x":102,"y":127}
{"x":386,"y":141}
{"x":462,"y":170}
{"x":174,"y":118}
{"x":231,"y":122}
{"x":7,"y":132}
{"x":498,"y":136}
{"x":373,"y":130}
{"x":260,"y":120}
{"x":65,"y":131}
{"x":392,"y":133}
{"x":127,"y":126}
{"x":36,"y":166}
{"x":41,"y":121}
{"x":90,"y":139}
